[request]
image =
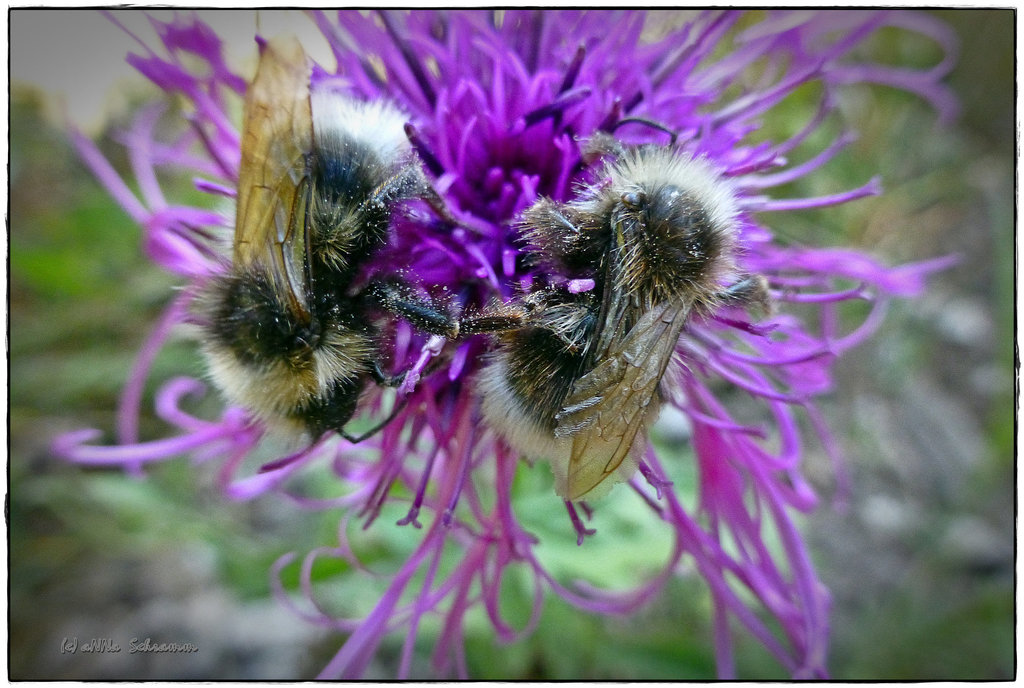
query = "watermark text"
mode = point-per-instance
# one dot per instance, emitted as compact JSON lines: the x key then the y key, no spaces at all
{"x":72,"y":646}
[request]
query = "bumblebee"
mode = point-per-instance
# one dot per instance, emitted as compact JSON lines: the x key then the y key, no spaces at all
{"x":576,"y":377}
{"x":287,"y":333}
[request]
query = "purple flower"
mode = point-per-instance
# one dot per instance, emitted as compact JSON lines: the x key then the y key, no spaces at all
{"x":499,"y":105}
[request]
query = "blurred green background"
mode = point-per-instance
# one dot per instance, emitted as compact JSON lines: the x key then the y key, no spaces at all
{"x":920,"y":562}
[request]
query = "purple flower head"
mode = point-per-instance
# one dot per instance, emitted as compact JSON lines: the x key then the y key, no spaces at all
{"x":500,"y":107}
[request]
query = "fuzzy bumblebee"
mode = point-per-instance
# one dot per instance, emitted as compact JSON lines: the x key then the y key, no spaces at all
{"x":578,"y":380}
{"x":288,"y":333}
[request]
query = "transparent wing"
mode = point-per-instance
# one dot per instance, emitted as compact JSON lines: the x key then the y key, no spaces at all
{"x":607,"y":408}
{"x":276,"y":136}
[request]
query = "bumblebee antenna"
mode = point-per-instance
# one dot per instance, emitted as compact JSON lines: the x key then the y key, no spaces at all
{"x":673,"y":134}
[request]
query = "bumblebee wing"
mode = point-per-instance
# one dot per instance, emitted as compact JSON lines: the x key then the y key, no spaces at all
{"x":607,"y":408}
{"x":272,"y":188}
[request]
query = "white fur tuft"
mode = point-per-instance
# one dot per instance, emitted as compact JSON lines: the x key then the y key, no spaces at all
{"x":378,"y":124}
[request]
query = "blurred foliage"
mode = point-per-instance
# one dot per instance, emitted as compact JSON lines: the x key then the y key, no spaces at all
{"x":83,"y":297}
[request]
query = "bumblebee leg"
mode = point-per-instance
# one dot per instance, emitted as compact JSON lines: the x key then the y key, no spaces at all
{"x":427,"y":190}
{"x":751,"y":292}
{"x":382,"y":378}
{"x":399,"y":300}
{"x":421,"y":313}
{"x":385,"y":380}
{"x":356,"y":439}
{"x":410,"y":183}
{"x":406,"y":184}
{"x":544,"y":310}
{"x":425,"y":154}
{"x":438,"y":204}
{"x":489,"y":323}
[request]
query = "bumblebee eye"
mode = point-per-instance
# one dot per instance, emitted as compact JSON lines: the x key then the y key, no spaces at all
{"x":634,"y":199}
